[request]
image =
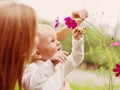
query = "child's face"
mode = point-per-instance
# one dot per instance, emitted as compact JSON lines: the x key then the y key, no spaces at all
{"x":48,"y":43}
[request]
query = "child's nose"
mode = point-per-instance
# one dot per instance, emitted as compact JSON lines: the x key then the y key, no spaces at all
{"x":57,"y":43}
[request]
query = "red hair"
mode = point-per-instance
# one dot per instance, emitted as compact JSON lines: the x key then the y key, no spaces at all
{"x":17,"y":34}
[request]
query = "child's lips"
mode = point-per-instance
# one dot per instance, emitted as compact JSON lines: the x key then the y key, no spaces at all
{"x":59,"y":49}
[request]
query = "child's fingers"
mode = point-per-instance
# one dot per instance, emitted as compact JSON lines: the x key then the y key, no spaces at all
{"x":65,"y":52}
{"x":78,"y":33}
{"x":62,"y":59}
{"x":62,"y":56}
{"x":74,"y":31}
{"x":79,"y":30}
{"x":59,"y":59}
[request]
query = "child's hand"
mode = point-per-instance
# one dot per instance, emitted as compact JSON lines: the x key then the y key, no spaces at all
{"x":60,"y":56}
{"x":78,"y":33}
{"x":80,"y":15}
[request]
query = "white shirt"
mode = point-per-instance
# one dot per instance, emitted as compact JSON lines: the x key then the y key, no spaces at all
{"x":44,"y":76}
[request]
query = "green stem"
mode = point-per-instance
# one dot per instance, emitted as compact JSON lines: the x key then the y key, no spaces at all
{"x":110,"y":64}
{"x":110,"y":71}
{"x":108,"y":51}
{"x":91,"y":52}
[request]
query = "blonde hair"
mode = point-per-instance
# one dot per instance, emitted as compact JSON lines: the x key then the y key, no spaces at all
{"x":17,"y":34}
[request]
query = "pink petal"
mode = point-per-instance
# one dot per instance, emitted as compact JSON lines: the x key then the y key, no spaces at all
{"x":67,"y":19}
{"x":73,"y":27}
{"x":66,"y":23}
{"x":118,"y":43}
{"x":57,"y":22}
{"x":69,"y":26}
{"x":116,"y":70}
{"x":115,"y":44}
{"x":74,"y":24}
{"x":56,"y":25}
{"x":70,"y":23}
{"x":118,"y":66}
{"x":117,"y":74}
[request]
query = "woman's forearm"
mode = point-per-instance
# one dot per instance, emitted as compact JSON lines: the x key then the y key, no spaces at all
{"x":63,"y":33}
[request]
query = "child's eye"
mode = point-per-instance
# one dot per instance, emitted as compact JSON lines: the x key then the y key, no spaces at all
{"x":52,"y":40}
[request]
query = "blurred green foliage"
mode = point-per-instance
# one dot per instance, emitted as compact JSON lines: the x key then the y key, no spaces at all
{"x":98,"y":49}
{"x":97,"y":46}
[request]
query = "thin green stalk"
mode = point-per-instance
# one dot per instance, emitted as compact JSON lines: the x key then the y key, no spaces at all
{"x":91,"y":52}
{"x":110,"y":64}
{"x":109,"y":56}
{"x":110,"y":71}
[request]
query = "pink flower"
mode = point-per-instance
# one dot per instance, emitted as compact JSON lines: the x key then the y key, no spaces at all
{"x":117,"y":70}
{"x":57,"y":23}
{"x":70,"y":22}
{"x":115,"y":44}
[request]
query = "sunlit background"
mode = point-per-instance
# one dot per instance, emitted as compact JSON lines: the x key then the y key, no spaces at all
{"x":102,"y":13}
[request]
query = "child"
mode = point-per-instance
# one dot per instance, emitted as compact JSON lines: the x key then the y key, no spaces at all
{"x":47,"y":73}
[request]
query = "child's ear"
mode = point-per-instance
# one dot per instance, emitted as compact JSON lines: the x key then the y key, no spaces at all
{"x":38,"y":53}
{"x":36,"y":56}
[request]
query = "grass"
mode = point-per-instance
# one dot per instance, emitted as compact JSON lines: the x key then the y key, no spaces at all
{"x":85,"y":86}
{"x":76,"y":87}
{"x":16,"y":87}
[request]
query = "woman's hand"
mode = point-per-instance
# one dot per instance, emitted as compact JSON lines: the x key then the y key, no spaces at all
{"x":79,"y":15}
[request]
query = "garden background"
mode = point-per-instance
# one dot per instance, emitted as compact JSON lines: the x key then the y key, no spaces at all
{"x":102,"y":29}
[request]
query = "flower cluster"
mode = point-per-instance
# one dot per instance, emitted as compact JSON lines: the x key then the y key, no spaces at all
{"x":70,"y":22}
{"x":117,"y":70}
